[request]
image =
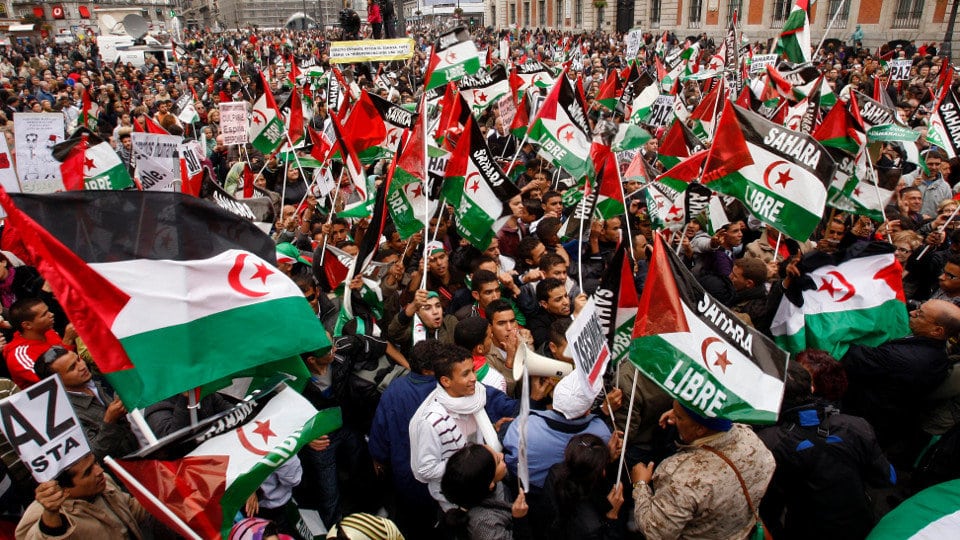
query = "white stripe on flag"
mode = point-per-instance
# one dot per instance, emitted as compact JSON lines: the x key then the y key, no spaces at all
{"x":742,"y":376}
{"x":191,"y":289}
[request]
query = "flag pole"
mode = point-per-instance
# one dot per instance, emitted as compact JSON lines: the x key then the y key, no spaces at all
{"x":626,"y":428}
{"x":829,"y":27}
{"x":683,"y":234}
{"x":626,"y":216}
{"x":157,"y":503}
{"x":516,"y":154}
{"x":776,"y":249}
{"x":333,"y":207}
{"x":876,"y":188}
{"x":426,"y":185}
{"x":940,"y":229}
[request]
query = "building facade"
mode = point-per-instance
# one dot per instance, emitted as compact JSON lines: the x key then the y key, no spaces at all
{"x":72,"y":17}
{"x":881,"y":21}
{"x":274,"y":13}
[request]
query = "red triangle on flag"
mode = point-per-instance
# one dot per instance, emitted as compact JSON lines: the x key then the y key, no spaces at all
{"x":660,"y":311}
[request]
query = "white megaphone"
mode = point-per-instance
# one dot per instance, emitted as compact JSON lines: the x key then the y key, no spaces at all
{"x":538,"y":365}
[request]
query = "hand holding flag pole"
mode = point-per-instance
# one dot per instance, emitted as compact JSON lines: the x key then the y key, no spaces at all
{"x":940,"y":230}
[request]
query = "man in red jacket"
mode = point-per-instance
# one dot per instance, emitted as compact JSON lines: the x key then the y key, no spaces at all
{"x":33,"y":322}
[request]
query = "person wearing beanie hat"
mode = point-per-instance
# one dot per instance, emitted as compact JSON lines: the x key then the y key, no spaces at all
{"x":697,"y":493}
{"x":361,"y":526}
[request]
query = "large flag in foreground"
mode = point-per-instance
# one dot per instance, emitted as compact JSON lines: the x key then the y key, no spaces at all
{"x":933,"y":513}
{"x":226,"y":462}
{"x":168,"y":291}
{"x":779,"y":174}
{"x":699,"y":352}
{"x":860,"y":300}
{"x":477,"y":188}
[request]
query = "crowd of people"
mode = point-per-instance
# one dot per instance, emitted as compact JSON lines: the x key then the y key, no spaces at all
{"x":426,"y":380}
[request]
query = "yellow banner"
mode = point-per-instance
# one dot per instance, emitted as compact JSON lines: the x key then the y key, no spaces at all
{"x":342,"y":52}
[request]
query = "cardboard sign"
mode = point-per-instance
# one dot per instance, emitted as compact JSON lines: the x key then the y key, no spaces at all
{"x":633,"y":41}
{"x":900,"y":69}
{"x":35,"y":135}
{"x":588,"y":346}
{"x":43,"y":429}
{"x":371,"y":50}
{"x":233,"y":123}
{"x":760,"y":62}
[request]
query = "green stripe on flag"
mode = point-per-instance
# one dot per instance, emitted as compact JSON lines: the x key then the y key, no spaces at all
{"x":791,"y":219}
{"x":824,"y":330}
{"x":179,"y":341}
{"x":685,"y":378}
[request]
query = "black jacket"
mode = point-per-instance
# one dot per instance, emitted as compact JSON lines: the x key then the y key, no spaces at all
{"x":889,"y":384}
{"x":825,"y":460}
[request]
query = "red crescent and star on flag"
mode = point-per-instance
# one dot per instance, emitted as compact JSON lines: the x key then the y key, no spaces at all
{"x":837,"y":286}
{"x":241,"y":284}
{"x":568,"y":136}
{"x":472,"y":185}
{"x":720,"y":355}
{"x":262,"y":429}
{"x":781,"y":171}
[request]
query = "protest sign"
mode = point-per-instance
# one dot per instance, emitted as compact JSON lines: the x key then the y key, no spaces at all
{"x":371,"y":50}
{"x":35,"y":134}
{"x":760,"y":62}
{"x":660,"y":111}
{"x":8,"y":178}
{"x":233,"y":123}
{"x":588,"y":345}
{"x":900,"y":69}
{"x":41,"y":426}
{"x":157,"y":160}
{"x":633,"y":41}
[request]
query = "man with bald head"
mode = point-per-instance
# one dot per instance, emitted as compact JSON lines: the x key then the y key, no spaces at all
{"x":889,"y":384}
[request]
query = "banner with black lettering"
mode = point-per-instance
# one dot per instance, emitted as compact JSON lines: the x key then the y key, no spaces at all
{"x":700,"y":352}
{"x":945,"y":124}
{"x":157,"y":160}
{"x":42,"y":428}
{"x":587,"y":345}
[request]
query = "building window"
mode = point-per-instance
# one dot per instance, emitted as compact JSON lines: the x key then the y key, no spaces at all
{"x":526,"y":13}
{"x":558,"y":14}
{"x":696,"y":7}
{"x":908,"y":14}
{"x":781,"y":10}
{"x":542,"y":11}
{"x":655,"y":13}
{"x":512,"y":8}
{"x":844,"y":16}
{"x":734,"y":5}
{"x":578,"y":13}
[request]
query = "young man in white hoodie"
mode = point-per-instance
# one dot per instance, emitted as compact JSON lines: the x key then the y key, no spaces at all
{"x":458,"y":411}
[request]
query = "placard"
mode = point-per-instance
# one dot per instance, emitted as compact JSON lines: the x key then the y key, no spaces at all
{"x":633,"y":40}
{"x":900,"y":69}
{"x":371,"y":50}
{"x":588,"y":346}
{"x":760,"y":62}
{"x":660,"y":110}
{"x":157,"y":160}
{"x":42,"y":428}
{"x":35,"y":134}
{"x":233,"y":123}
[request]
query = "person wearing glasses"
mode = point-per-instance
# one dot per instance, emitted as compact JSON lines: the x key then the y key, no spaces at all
{"x":889,"y":384}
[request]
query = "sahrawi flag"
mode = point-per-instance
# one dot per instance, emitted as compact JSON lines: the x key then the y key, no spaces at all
{"x":945,"y":124}
{"x":929,"y":515}
{"x":700,"y":352}
{"x":454,"y":56}
{"x":562,"y":131}
{"x":777,"y":173}
{"x":477,"y":188}
{"x":616,"y":301}
{"x":266,"y":124}
{"x":167,"y":310}
{"x":482,"y":90}
{"x":794,"y":40}
{"x":206,"y":487}
{"x":407,"y":197}
{"x":89,"y":162}
{"x":860,"y":300}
